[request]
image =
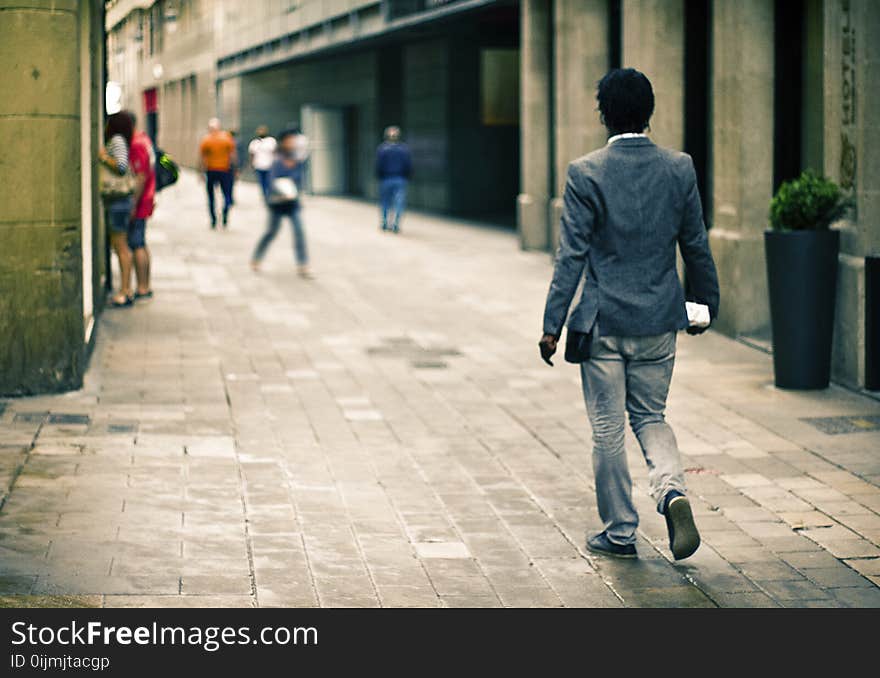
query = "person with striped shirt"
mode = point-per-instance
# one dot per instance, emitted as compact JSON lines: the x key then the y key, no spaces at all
{"x":117,"y":139}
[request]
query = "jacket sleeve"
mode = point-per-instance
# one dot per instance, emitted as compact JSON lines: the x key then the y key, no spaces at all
{"x":576,"y":229}
{"x":379,"y":163}
{"x":694,"y":244}
{"x":407,"y":164}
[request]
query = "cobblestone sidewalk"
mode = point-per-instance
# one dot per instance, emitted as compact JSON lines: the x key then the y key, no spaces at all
{"x":385,"y":434}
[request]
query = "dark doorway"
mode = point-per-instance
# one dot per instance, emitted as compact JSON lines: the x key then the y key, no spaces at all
{"x":483,"y":114}
{"x":615,"y":34}
{"x":788,"y":94}
{"x":697,"y":94}
{"x":352,"y":145}
{"x":390,"y":87}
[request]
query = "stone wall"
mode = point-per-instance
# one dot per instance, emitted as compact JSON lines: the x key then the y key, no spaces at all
{"x":41,"y":188}
{"x":536,"y":137}
{"x":653,"y":42}
{"x":852,"y":158}
{"x":742,"y":167}
{"x":581,"y":58}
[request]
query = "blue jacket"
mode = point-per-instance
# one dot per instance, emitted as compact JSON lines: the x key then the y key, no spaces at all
{"x":280,"y":169}
{"x":393,"y":161}
{"x":626,"y":206}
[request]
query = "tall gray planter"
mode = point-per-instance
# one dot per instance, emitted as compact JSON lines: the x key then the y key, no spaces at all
{"x":802,"y":281}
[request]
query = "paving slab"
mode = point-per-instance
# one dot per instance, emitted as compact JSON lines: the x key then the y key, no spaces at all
{"x":385,"y":435}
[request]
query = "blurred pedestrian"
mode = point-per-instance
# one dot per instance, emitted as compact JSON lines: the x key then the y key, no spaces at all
{"x":117,"y":186}
{"x":625,"y":207}
{"x":394,"y":170}
{"x":217,"y":159}
{"x":234,"y":166}
{"x":261,"y":151}
{"x":285,"y":179}
{"x":142,"y":158}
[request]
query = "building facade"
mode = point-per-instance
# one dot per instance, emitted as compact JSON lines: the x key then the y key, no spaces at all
{"x":51,"y":231}
{"x":495,"y":97}
{"x":445,"y":71}
{"x":756,"y":91}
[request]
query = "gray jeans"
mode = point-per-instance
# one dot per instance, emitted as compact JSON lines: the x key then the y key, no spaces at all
{"x":276,"y":213}
{"x":630,"y":374}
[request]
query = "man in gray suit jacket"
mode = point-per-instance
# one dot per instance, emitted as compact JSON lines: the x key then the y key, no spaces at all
{"x":626,"y":206}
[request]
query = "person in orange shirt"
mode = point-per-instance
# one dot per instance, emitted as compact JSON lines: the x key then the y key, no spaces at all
{"x":217,"y":159}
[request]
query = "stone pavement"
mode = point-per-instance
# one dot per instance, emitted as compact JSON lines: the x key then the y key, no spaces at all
{"x":385,"y":434}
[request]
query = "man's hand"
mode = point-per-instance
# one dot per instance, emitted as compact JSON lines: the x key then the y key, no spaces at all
{"x":693,"y":329}
{"x":548,"y":347}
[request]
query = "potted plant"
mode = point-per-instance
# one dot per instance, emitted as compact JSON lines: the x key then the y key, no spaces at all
{"x":801,"y":251}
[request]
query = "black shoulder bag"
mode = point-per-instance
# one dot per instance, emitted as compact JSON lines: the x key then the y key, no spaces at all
{"x":577,"y":346}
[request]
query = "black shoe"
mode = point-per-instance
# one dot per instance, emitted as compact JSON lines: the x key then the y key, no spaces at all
{"x":225,"y":219}
{"x":684,"y":539}
{"x":601,"y":544}
{"x":129,"y":301}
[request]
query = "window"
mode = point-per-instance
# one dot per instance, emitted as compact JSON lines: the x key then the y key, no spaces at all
{"x":157,"y":17}
{"x":499,"y":86}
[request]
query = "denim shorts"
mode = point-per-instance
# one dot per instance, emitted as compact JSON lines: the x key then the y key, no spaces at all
{"x":137,"y":234}
{"x":118,"y":213}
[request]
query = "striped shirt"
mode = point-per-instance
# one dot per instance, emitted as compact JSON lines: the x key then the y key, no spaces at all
{"x":118,"y":150}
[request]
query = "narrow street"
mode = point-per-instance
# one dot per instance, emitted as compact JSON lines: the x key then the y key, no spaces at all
{"x":386,"y":435}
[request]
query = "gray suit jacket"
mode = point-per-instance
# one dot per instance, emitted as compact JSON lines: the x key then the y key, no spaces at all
{"x":625,"y":207}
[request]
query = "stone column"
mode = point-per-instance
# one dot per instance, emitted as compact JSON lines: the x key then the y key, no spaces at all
{"x":653,"y":42}
{"x":581,"y":59}
{"x":536,"y":152}
{"x":868,"y":107}
{"x":41,"y":271}
{"x":852,"y":125}
{"x":742,"y":162}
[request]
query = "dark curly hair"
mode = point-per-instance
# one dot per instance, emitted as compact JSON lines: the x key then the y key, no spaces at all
{"x":626,"y":100}
{"x":119,"y":123}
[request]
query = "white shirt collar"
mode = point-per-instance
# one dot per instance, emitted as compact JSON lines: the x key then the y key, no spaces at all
{"x":626,"y":135}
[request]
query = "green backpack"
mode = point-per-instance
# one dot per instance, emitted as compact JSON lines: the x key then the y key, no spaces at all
{"x":167,"y":171}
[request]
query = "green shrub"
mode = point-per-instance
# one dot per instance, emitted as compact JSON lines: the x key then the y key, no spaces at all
{"x":808,"y":203}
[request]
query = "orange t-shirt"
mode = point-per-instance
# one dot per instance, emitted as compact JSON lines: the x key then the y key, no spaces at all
{"x":217,"y":149}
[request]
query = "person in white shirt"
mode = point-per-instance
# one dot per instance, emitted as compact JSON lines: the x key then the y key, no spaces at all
{"x":262,"y":154}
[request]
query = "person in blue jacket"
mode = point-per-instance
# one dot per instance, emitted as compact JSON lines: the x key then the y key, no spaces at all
{"x":394,"y":170}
